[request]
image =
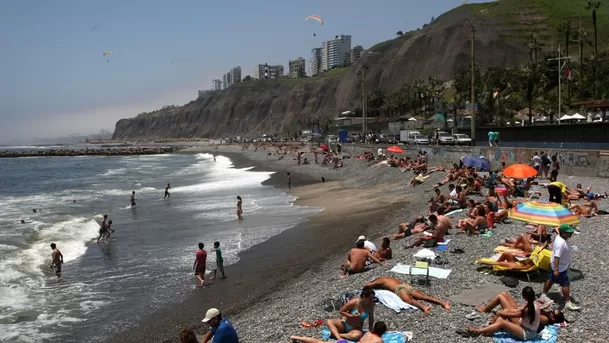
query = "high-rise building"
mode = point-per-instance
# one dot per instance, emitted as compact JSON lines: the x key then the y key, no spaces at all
{"x":297,"y":68}
{"x":355,"y":54}
{"x":216,"y":85}
{"x":315,"y":62}
{"x":259,"y":71}
{"x":275,"y":72}
{"x":235,"y":75}
{"x":226,"y":80}
{"x":333,"y":52}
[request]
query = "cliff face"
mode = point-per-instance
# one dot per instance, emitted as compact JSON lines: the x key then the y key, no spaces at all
{"x":278,"y":106}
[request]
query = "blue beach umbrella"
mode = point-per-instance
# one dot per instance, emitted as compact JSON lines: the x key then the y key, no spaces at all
{"x":476,"y":162}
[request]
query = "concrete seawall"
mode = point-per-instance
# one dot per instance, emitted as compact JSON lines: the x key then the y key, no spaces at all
{"x":593,"y":163}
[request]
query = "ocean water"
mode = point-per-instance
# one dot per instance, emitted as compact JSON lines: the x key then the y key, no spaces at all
{"x":107,"y":287}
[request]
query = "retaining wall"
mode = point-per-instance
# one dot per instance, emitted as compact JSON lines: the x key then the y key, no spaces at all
{"x":594,"y":163}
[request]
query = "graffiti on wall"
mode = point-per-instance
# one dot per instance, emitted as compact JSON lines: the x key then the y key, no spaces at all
{"x":603,"y":166}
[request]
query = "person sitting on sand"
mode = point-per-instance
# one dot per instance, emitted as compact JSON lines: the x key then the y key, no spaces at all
{"x":522,"y":322}
{"x":439,"y":230}
{"x":356,"y":260}
{"x":475,"y":226}
{"x":472,"y":210}
{"x":407,"y":293}
{"x":585,"y":210}
{"x":385,"y":252}
{"x":440,"y":197}
{"x":418,"y":225}
{"x":188,"y":336}
{"x":373,"y":336}
{"x":221,"y":330}
{"x":503,"y":213}
{"x":354,"y":313}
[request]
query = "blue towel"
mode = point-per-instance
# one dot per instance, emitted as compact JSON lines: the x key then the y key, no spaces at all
{"x":504,"y":337}
{"x":388,"y":337}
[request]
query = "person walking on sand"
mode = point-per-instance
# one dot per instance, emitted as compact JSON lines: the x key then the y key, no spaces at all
{"x":199,"y":265}
{"x":289,"y":181}
{"x":167,"y":195}
{"x":221,"y":329}
{"x":57,"y":259}
{"x":219,"y":261}
{"x":491,"y":138}
{"x":239,"y":207}
{"x":560,"y":261}
{"x":132,"y":198}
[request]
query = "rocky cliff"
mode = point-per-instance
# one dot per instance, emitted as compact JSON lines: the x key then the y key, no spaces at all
{"x":279,"y":106}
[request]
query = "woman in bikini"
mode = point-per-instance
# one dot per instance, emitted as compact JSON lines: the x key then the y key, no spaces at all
{"x":373,"y":336}
{"x":351,"y":326}
{"x":239,"y":207}
{"x":475,"y":226}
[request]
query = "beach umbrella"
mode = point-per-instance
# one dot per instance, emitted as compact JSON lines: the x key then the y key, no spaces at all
{"x":519,"y":171}
{"x":396,"y":149}
{"x":476,"y":162}
{"x":324,"y":147}
{"x":543,"y":212}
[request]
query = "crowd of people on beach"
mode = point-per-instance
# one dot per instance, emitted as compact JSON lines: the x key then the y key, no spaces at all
{"x":484,"y":199}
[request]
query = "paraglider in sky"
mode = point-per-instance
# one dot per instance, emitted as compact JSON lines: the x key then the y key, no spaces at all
{"x":108,"y":53}
{"x":317,"y":18}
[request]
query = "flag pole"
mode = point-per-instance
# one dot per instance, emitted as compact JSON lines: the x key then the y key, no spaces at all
{"x":559,"y":93}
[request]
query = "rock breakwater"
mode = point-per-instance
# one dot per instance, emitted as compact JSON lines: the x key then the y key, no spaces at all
{"x":90,"y":152}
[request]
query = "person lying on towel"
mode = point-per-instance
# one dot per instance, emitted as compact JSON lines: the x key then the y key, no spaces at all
{"x":407,"y":293}
{"x":373,"y":336}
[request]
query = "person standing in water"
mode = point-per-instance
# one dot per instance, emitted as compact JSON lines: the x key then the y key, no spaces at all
{"x":102,"y":228}
{"x":219,"y":261}
{"x":239,"y":207}
{"x":57,"y":259}
{"x":167,"y":195}
{"x":199,"y":265}
{"x":214,"y":158}
{"x":289,"y":181}
{"x":132,"y":198}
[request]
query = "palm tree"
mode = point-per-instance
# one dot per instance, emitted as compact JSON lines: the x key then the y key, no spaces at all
{"x":594,"y":5}
{"x":582,"y":37}
{"x":567,"y":28}
{"x":399,"y":33}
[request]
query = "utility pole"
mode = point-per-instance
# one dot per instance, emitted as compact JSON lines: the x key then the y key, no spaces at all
{"x":473,"y":100}
{"x":559,"y":60}
{"x":362,"y":72}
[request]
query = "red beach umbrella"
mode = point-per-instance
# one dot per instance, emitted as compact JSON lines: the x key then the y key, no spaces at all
{"x":324,"y":147}
{"x":396,"y":149}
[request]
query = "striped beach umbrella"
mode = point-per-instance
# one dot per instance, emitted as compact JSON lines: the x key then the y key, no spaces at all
{"x":542,"y":212}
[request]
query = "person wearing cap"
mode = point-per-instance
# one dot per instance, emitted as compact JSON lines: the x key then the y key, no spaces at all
{"x":560,"y":261}
{"x":221,"y":329}
{"x":367,"y":244}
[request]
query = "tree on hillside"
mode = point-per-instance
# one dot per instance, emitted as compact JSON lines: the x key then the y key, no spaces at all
{"x":247,"y":78}
{"x":567,"y":28}
{"x":399,"y":33}
{"x":534,"y":47}
{"x":582,"y":37}
{"x":594,"y":5}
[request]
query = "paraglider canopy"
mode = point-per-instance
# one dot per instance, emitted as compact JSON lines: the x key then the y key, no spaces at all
{"x":108,"y":52}
{"x":315,"y":17}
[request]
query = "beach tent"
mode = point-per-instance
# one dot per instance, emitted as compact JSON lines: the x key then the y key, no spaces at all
{"x":565,"y":117}
{"x":578,"y":116}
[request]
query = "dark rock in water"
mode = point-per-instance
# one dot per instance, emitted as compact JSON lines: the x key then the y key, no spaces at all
{"x":91,"y":152}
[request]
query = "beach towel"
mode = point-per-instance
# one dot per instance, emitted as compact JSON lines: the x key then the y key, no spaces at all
{"x":548,"y":335}
{"x":388,"y":337}
{"x":444,"y":243}
{"x":479,"y":295}
{"x":425,"y":254}
{"x":439,"y":273}
{"x":454,"y":212}
{"x":392,"y":300}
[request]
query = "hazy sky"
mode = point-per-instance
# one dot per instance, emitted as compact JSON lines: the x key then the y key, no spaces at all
{"x":54,"y":80}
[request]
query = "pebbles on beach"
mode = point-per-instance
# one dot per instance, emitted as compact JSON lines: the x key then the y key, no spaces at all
{"x":275,"y":318}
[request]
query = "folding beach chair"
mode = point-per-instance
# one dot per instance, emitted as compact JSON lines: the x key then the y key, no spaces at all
{"x":421,"y":265}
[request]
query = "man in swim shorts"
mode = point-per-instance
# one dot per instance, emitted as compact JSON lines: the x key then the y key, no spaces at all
{"x":57,"y":259}
{"x":167,"y":195}
{"x":407,"y":293}
{"x":199,"y":265}
{"x":356,"y":261}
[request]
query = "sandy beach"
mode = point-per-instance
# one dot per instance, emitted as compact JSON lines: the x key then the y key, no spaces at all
{"x":281,"y":282}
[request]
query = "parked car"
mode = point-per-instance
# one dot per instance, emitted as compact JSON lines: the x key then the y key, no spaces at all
{"x":418,"y":139}
{"x":462,"y":139}
{"x":444,"y":138}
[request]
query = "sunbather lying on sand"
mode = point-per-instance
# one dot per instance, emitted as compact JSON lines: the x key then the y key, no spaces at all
{"x":523,"y":242}
{"x":356,"y":260}
{"x":354,"y":313}
{"x":373,"y":336}
{"x":522,"y":322}
{"x":418,"y":225}
{"x":407,"y":293}
{"x":588,"y":209}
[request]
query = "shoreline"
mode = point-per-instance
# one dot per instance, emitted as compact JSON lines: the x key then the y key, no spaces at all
{"x":271,"y":265}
